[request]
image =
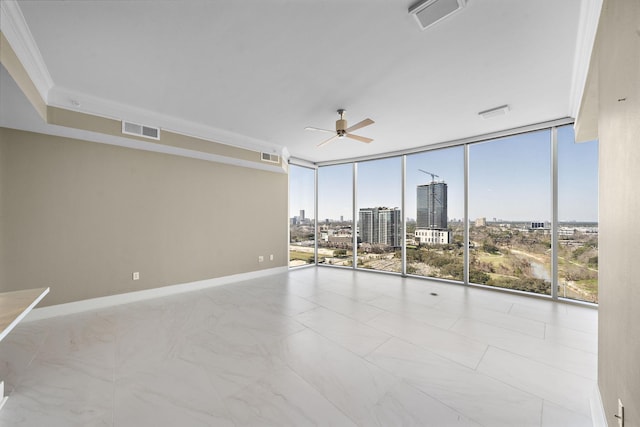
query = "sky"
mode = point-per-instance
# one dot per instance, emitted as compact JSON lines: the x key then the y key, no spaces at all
{"x":301,"y":189}
{"x":509,"y":179}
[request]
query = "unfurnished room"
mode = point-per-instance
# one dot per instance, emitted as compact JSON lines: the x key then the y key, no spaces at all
{"x":329,"y":213}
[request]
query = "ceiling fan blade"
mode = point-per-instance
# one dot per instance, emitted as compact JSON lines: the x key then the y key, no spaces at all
{"x":359,"y":138}
{"x":328,"y":140}
{"x":365,"y":122}
{"x":319,"y":130}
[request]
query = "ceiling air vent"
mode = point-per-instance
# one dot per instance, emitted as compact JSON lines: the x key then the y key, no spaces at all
{"x":272,"y":158}
{"x":140,"y":130}
{"x":429,"y":12}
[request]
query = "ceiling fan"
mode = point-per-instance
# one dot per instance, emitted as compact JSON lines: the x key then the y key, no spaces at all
{"x":342,"y":130}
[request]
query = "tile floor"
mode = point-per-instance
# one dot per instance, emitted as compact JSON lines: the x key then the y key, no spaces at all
{"x":316,"y":346}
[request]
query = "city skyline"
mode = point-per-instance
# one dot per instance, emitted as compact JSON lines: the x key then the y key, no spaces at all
{"x":510,"y":179}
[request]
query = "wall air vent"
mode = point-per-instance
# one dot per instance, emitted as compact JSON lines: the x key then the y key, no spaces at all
{"x":140,"y":130}
{"x":272,"y":158}
{"x":429,"y":12}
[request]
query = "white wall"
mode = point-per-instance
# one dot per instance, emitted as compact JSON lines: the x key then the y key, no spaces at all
{"x":618,"y":98}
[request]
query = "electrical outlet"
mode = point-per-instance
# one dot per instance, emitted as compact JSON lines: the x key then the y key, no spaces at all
{"x":260,"y":258}
{"x":136,"y":275}
{"x":271,"y":257}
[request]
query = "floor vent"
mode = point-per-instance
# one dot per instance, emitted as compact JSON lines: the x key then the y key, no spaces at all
{"x":140,"y":130}
{"x":272,"y":158}
{"x":429,"y":12}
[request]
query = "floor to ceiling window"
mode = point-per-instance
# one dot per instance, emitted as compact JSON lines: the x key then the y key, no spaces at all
{"x":335,"y":213}
{"x":301,"y":216}
{"x":435,"y":212}
{"x":379,"y":197}
{"x":577,"y":217}
{"x":510,"y":212}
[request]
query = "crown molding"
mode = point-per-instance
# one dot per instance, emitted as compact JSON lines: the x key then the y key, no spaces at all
{"x":285,"y":154}
{"x":15,"y":29}
{"x":89,"y":104}
{"x":16,"y":112}
{"x":587,"y":28}
{"x":101,"y":138}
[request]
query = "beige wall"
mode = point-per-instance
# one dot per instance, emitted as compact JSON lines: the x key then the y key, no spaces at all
{"x":2,"y":180}
{"x":618,"y":75}
{"x":80,"y":217}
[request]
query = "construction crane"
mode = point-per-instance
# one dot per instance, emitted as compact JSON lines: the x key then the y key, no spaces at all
{"x":433,"y":175}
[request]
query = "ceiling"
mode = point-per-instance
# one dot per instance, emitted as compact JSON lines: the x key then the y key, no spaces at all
{"x":256,"y":73}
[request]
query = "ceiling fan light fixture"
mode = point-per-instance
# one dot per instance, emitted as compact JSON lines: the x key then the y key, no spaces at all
{"x":430,"y":12}
{"x":343,"y":131}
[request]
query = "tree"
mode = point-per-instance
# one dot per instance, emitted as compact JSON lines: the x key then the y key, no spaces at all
{"x":478,"y":277}
{"x":489,"y":247}
{"x":339,"y":253}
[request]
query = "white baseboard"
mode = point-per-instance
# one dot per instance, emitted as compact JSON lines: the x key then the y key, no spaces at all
{"x":112,"y":300}
{"x":3,"y":398}
{"x":598,"y":418}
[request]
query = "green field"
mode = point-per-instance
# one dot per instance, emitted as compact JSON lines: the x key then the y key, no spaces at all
{"x":303,"y":256}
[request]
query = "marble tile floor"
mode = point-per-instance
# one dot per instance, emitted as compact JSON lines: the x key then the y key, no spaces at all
{"x":315,"y":346}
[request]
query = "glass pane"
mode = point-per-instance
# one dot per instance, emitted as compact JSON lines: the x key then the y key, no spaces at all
{"x":435,"y":212}
{"x":335,"y":212}
{"x":510,"y":212}
{"x":379,"y":214}
{"x":301,"y":216}
{"x":577,"y":217}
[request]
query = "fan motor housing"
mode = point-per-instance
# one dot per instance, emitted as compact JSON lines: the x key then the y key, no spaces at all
{"x":341,"y":125}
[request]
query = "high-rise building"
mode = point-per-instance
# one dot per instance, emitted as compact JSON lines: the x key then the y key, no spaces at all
{"x":302,"y":215}
{"x":366,"y":224}
{"x":432,"y":206}
{"x":381,"y":225}
{"x":432,"y":221}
